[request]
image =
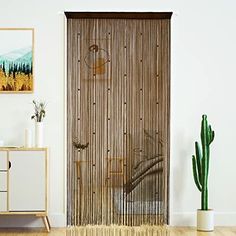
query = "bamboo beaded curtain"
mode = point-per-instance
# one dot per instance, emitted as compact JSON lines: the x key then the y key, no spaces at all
{"x":118,"y":121}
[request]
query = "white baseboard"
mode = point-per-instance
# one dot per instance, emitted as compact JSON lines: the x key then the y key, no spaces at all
{"x":189,"y":219}
{"x":59,"y":220}
{"x":56,"y":220}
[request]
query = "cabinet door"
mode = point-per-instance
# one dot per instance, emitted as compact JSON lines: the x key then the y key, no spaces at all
{"x":3,"y":201}
{"x":27,"y":181}
{"x":3,"y":161}
{"x":3,"y":181}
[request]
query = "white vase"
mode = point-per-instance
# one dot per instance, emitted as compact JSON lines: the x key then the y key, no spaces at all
{"x":205,"y":220}
{"x":38,"y":134}
{"x":28,"y":138}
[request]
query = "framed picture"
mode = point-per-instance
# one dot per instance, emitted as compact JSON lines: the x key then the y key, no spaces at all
{"x":16,"y":60}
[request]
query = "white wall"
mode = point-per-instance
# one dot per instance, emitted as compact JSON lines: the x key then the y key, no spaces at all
{"x":203,"y":71}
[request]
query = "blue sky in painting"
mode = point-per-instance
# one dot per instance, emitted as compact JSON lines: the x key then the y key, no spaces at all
{"x":13,"y":40}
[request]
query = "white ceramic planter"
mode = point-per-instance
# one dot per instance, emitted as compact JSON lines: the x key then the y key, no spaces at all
{"x":38,"y":134}
{"x":205,"y":220}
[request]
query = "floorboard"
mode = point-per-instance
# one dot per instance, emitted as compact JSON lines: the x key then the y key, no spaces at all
{"x":129,"y":231}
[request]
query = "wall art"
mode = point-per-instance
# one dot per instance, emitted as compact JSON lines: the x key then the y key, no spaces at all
{"x":16,"y":60}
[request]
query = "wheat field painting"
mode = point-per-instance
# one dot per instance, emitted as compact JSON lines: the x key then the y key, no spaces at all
{"x":16,"y":60}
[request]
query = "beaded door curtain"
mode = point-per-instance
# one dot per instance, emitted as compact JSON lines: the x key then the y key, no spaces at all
{"x":118,"y":121}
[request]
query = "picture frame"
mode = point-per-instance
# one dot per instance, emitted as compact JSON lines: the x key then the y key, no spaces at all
{"x":16,"y":60}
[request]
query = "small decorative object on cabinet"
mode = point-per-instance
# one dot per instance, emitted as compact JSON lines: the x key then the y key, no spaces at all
{"x":23,"y":182}
{"x":200,"y":164}
{"x":39,"y":115}
{"x":38,"y":134}
{"x":28,"y":138}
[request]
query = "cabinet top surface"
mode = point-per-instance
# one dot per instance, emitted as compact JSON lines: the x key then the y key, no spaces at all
{"x":22,"y":149}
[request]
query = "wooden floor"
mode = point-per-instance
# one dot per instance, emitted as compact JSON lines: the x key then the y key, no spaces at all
{"x":171,"y":231}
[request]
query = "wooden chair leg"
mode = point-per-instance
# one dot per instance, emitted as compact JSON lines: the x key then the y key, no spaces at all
{"x":46,"y":223}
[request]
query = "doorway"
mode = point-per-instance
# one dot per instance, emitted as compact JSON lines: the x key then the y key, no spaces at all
{"x":118,"y":118}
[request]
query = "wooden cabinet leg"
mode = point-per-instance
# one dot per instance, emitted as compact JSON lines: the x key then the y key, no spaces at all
{"x":46,"y":223}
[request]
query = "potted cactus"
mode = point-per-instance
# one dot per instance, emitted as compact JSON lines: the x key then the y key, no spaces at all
{"x":200,"y":164}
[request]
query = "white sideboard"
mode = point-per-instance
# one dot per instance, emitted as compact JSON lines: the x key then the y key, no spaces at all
{"x":23,"y":182}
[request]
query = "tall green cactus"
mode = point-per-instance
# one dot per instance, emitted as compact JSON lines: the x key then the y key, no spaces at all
{"x":200,"y":162}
